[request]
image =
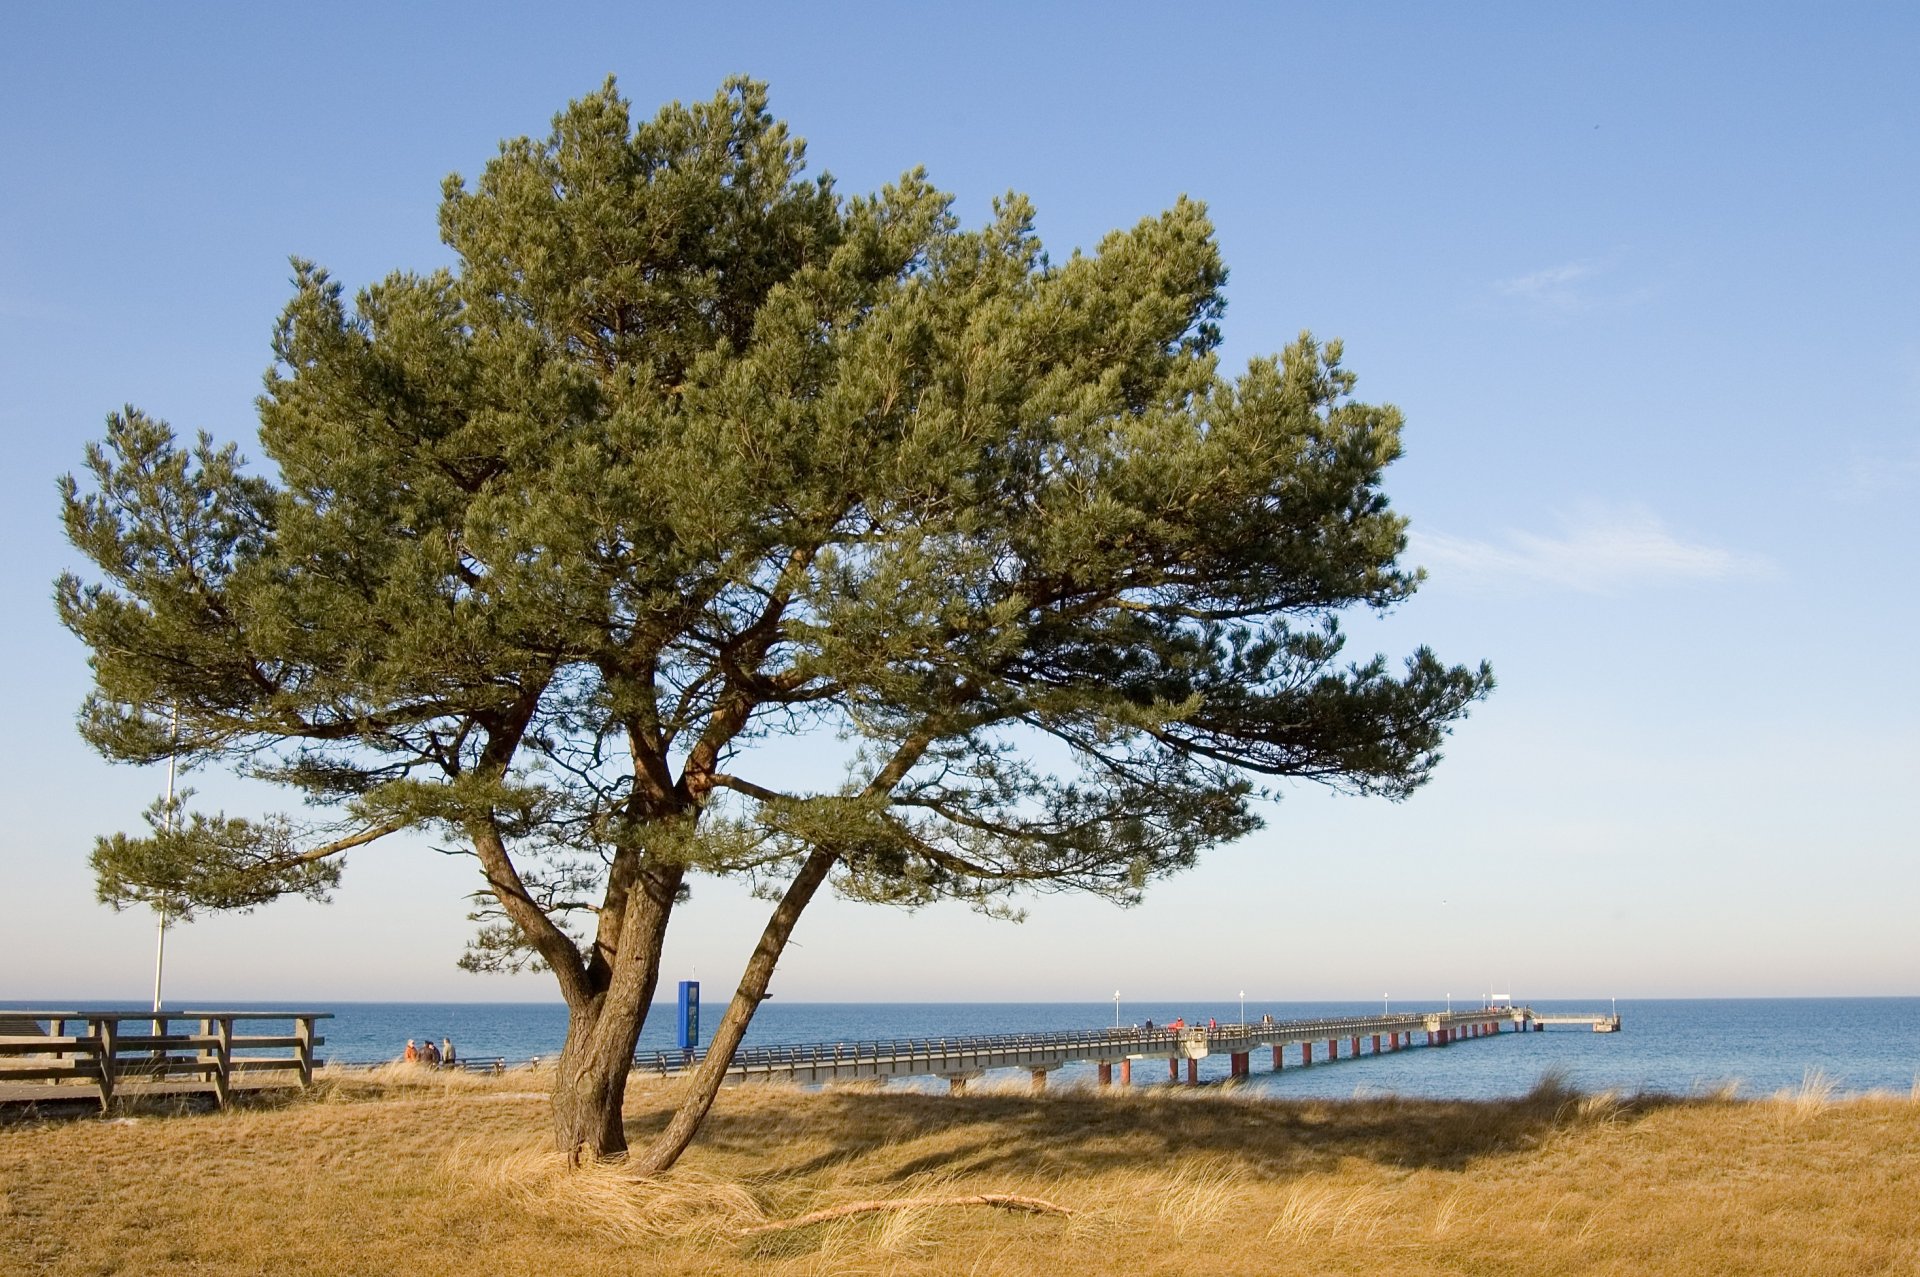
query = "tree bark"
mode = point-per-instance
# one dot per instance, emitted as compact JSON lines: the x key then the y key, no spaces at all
{"x":667,"y":1147}
{"x":590,"y":1088}
{"x":604,"y":1028}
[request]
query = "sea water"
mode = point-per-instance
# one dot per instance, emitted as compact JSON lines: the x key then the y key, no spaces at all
{"x":1675,"y":1046}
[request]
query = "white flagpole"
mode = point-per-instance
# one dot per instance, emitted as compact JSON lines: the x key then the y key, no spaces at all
{"x":160,"y":936}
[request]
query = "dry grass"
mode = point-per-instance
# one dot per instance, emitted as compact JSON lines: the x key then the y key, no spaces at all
{"x":386,"y":1174}
{"x":1814,"y":1097}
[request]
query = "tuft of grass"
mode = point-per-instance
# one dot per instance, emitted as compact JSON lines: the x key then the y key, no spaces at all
{"x":1454,"y":1214}
{"x":1603,"y":1108}
{"x":606,"y":1196}
{"x":1814,"y":1097}
{"x":1329,"y":1212}
{"x":1198,"y":1195}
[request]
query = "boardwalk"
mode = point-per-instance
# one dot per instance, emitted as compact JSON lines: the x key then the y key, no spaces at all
{"x":1116,"y":1051}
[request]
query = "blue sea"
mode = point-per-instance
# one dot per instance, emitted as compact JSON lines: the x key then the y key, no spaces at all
{"x":1674,"y":1046}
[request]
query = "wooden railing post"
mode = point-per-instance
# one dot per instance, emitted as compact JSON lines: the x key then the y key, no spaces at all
{"x":223,"y":1061}
{"x":106,"y":1035}
{"x":206,"y":1058}
{"x":303,"y":1033}
{"x":161,"y":1055}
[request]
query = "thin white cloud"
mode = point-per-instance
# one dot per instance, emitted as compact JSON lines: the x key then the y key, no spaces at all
{"x":1599,"y":550}
{"x":1545,"y":285}
{"x":1870,"y":478}
{"x":1887,"y":467}
{"x":1573,"y":288}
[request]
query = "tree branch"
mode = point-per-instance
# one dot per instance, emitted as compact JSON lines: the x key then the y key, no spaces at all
{"x":1000,"y":1201}
{"x":339,"y":845}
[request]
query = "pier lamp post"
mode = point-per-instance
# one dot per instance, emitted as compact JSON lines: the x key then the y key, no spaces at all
{"x":1383,"y":1004}
{"x":1449,"y":1004}
{"x":1116,"y":1008}
{"x":1243,"y":1006}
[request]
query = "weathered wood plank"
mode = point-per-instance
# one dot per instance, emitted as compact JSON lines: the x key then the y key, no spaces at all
{"x":264,"y":1064}
{"x":28,"y":1013}
{"x":81,"y":1070}
{"x":46,"y":1044}
{"x":128,"y":1042}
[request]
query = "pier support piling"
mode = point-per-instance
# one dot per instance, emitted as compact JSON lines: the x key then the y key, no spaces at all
{"x":957,"y":1082}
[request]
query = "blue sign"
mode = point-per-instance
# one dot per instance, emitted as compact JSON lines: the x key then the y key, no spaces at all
{"x":689,"y":1014}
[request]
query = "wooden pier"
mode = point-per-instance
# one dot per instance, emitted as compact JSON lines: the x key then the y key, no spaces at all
{"x":52,"y":1056}
{"x":1114,"y":1052}
{"x":55,"y":1056}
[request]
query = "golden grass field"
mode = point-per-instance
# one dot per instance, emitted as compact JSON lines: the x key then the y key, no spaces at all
{"x":409,"y":1172}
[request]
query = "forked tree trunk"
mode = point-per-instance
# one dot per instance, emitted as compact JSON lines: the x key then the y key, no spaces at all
{"x":667,"y":1147}
{"x":604,"y":1028}
{"x":592,"y":1082}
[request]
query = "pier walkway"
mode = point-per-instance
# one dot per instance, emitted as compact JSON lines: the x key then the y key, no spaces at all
{"x":1116,"y":1051}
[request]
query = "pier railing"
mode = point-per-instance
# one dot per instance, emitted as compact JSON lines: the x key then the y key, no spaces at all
{"x":943,"y":1054}
{"x":109,"y":1052}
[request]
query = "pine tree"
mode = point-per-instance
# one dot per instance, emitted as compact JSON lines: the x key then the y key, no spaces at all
{"x":689,"y":450}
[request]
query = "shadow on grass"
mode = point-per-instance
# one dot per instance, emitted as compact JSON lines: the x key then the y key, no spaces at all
{"x":1091,"y":1133}
{"x":84,"y":1105}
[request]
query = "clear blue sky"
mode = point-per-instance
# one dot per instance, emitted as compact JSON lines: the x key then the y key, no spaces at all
{"x":1643,"y":278}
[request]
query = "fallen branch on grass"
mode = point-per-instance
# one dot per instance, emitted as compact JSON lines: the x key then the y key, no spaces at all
{"x":1002,"y":1201}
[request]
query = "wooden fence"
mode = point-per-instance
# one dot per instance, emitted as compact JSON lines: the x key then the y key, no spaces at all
{"x":111,"y":1051}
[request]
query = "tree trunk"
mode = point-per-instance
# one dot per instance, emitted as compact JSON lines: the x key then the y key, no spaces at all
{"x":667,"y":1147}
{"x":591,"y":1086}
{"x":603,"y":1029}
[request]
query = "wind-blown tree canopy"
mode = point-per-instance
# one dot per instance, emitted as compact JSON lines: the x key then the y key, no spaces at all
{"x":688,"y":451}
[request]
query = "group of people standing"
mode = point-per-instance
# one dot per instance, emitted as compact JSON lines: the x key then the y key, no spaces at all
{"x":427,"y":1053}
{"x":1175,"y":1026}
